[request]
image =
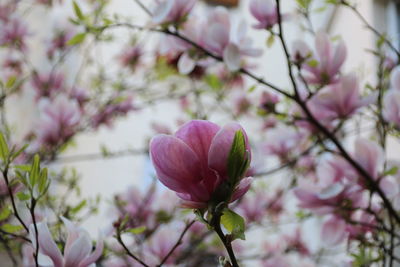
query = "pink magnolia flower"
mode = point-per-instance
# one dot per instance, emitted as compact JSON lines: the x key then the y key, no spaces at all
{"x":58,"y":43}
{"x":253,"y":207}
{"x":194,"y":162}
{"x":58,"y":120}
{"x":77,"y":250}
{"x":131,"y":57}
{"x":330,"y":198}
{"x":119,"y":105}
{"x":265,"y":12}
{"x":391,"y":101}
{"x":283,"y":141}
{"x":13,"y":34}
{"x":47,"y":84}
{"x":226,"y":41}
{"x":338,"y":100}
{"x":324,"y":67}
{"x":172,"y":11}
{"x":300,"y":51}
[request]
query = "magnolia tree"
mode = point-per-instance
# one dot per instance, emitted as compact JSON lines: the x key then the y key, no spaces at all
{"x":303,"y":185}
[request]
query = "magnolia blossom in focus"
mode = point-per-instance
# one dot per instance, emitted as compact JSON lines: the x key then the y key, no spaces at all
{"x":266,"y":13}
{"x":194,"y":161}
{"x":227,"y":41}
{"x":391,"y":101}
{"x":172,"y":11}
{"x":324,"y":67}
{"x":77,"y":250}
{"x":58,"y":119}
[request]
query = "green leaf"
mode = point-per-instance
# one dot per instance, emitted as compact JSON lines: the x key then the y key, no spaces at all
{"x":3,"y":147}
{"x":23,"y":167}
{"x":78,"y":11}
{"x":391,"y":171}
{"x":77,"y":39}
{"x":23,"y":196}
{"x":312,"y":63}
{"x":234,"y":223}
{"x":252,"y":88}
{"x":18,"y":152}
{"x":238,"y":158}
{"x":304,"y":3}
{"x":137,"y":230}
{"x":10,"y":228}
{"x":11,"y":81}
{"x":270,"y":41}
{"x":78,"y":207}
{"x":213,"y":81}
{"x":42,"y":182}
{"x":5,"y":213}
{"x":35,"y":171}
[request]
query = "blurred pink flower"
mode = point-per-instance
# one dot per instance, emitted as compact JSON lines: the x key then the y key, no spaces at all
{"x":172,"y":11}
{"x":77,"y":250}
{"x":194,"y":162}
{"x":13,"y":34}
{"x":226,"y":41}
{"x":391,"y":101}
{"x":47,"y":84}
{"x":58,"y":120}
{"x":324,"y":67}
{"x":338,"y":100}
{"x":265,"y":12}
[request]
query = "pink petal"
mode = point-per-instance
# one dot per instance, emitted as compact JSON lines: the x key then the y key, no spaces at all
{"x":333,"y":231}
{"x":231,"y":57}
{"x":46,"y":243}
{"x":242,"y":188}
{"x":163,"y":9}
{"x":78,"y":251}
{"x":370,"y":155}
{"x":95,"y":255}
{"x":395,"y":78}
{"x":176,"y":164}
{"x":186,"y":64}
{"x":323,"y":47}
{"x":338,"y":58}
{"x":198,"y":135}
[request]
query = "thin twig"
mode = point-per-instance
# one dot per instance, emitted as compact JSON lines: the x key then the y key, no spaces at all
{"x":178,"y":242}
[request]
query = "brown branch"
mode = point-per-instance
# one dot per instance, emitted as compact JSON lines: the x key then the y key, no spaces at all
{"x":178,"y":242}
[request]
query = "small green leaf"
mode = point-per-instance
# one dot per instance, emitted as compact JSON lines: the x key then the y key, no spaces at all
{"x":11,"y":81}
{"x":3,"y":147}
{"x":137,"y":230}
{"x":252,"y":88}
{"x":270,"y":41}
{"x":213,"y":81}
{"x":10,"y":228}
{"x":23,"y":196}
{"x":78,"y":207}
{"x":35,"y":171}
{"x":391,"y":171}
{"x":18,"y":152}
{"x":5,"y":213}
{"x":78,"y":11}
{"x":238,"y":158}
{"x":312,"y":63}
{"x":77,"y":39}
{"x":23,"y":167}
{"x":234,"y":223}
